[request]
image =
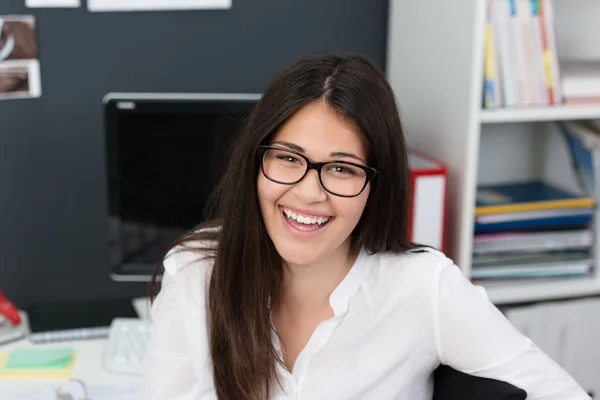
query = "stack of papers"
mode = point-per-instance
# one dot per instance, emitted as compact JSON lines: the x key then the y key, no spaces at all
{"x":581,"y":81}
{"x":37,"y":363}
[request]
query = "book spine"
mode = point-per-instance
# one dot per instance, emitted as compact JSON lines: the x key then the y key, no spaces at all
{"x":517,"y":18}
{"x":501,"y":21}
{"x":546,"y":55}
{"x":491,"y":90}
{"x":538,"y":53}
{"x":526,"y":27}
{"x":553,"y":52}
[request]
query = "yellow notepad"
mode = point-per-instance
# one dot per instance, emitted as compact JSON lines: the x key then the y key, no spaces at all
{"x":62,"y":372}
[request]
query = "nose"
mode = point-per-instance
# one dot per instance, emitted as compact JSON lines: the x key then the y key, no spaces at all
{"x":309,"y":189}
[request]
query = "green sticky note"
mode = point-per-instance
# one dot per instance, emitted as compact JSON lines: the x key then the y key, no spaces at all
{"x":32,"y":358}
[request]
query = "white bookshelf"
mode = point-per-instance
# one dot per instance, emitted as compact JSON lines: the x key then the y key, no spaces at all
{"x":540,"y":291}
{"x":557,"y":113}
{"x":435,"y":65}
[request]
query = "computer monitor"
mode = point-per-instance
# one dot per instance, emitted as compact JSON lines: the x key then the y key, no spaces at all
{"x":164,"y":156}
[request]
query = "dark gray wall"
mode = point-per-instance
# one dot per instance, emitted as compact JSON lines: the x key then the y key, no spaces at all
{"x":52,"y":195}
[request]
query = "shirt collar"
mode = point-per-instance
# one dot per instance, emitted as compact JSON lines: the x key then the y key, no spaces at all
{"x":349,"y":286}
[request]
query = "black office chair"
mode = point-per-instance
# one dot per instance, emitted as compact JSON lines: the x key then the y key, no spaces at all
{"x":450,"y":384}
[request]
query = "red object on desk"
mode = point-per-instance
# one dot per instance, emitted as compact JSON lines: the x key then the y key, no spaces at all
{"x":427,"y":212}
{"x":8,"y":310}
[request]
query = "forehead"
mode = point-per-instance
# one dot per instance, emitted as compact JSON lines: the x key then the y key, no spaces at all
{"x":320,"y":130}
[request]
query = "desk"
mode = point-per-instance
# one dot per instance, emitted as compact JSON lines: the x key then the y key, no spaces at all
{"x":89,"y":366}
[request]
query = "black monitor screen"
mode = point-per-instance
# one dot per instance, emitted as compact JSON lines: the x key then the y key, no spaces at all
{"x":164,"y":161}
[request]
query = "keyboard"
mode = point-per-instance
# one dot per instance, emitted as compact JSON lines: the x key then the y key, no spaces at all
{"x":126,"y":348}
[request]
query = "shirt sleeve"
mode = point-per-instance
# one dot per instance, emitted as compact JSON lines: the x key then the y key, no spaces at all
{"x":474,"y":337}
{"x":168,"y":369}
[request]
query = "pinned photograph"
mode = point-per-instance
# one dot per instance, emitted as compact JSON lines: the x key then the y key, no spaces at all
{"x":19,"y":81}
{"x":155,"y":5}
{"x":52,"y":3}
{"x":19,"y":64}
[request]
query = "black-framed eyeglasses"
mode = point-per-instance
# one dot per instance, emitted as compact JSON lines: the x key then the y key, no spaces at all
{"x":340,"y":178}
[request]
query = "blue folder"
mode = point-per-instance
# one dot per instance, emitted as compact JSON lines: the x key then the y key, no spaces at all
{"x":535,"y":224}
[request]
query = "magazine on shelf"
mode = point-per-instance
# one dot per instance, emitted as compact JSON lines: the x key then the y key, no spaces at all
{"x":533,"y":241}
{"x":583,"y":141}
{"x":542,"y":270}
{"x":532,"y":195}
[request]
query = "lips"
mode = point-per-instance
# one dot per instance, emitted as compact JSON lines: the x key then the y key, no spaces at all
{"x":304,"y":224}
{"x":303,"y":217}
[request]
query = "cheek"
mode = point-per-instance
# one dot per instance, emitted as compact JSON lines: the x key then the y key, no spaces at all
{"x":352,"y":208}
{"x":268,"y":192}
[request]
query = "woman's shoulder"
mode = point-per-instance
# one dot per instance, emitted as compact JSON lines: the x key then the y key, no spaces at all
{"x":415,"y":272}
{"x":421,"y":260}
{"x":191,"y":261}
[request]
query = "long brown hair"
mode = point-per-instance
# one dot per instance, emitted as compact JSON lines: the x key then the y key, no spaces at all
{"x":247,"y":269}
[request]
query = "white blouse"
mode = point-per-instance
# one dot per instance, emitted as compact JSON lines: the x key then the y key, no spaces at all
{"x":396,"y":318}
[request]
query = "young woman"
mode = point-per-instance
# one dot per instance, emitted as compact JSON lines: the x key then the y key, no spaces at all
{"x":307,"y":287}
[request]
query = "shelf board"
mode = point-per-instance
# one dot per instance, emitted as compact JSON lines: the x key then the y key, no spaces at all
{"x":533,"y":291}
{"x":532,"y":114}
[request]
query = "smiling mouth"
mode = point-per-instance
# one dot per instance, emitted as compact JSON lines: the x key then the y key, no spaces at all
{"x":305,"y":222}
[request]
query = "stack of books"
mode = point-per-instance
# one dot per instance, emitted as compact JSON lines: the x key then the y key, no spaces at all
{"x":521,"y":62}
{"x":581,"y":82}
{"x":532,"y":229}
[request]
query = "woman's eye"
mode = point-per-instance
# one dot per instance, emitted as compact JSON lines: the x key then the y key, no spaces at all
{"x":287,"y":158}
{"x":342,"y":170}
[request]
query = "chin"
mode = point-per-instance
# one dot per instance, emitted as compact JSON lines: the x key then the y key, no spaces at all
{"x":302,"y":251}
{"x":298,"y":254}
{"x":306,"y":247}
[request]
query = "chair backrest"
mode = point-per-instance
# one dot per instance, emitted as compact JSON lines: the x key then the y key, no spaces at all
{"x":450,"y":384}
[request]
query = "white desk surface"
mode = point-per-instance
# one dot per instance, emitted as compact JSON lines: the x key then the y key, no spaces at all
{"x":89,"y":362}
{"x":89,"y":366}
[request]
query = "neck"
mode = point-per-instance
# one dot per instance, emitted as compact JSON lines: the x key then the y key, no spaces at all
{"x":310,"y":286}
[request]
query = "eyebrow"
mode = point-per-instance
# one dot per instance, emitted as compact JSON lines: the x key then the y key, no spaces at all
{"x":299,"y":149}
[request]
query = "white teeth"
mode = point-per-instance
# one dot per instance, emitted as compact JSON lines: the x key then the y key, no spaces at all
{"x":305,"y":219}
